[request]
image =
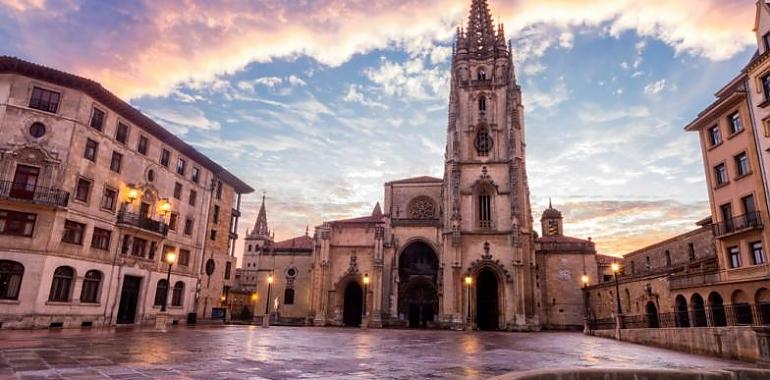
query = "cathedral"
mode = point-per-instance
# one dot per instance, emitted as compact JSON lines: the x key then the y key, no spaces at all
{"x":453,"y":252}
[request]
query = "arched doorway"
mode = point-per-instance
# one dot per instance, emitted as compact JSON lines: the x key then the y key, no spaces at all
{"x":353,"y":305}
{"x":652,"y":315}
{"x":742,"y":308}
{"x":717,"y":308}
{"x":698,"y":311}
{"x":682,"y":317}
{"x":762,"y":300}
{"x":418,"y":290}
{"x":487,"y":310}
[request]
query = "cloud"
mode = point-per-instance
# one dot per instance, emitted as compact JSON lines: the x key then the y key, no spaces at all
{"x":655,"y":87}
{"x":538,"y":99}
{"x":162,"y":44}
{"x":354,"y":95}
{"x":180,"y":119}
{"x":411,"y":79}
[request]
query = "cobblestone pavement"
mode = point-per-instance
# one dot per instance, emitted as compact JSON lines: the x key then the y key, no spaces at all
{"x":237,"y":352}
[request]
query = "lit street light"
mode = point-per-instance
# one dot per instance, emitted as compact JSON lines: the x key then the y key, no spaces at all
{"x":170,"y":259}
{"x":266,"y":319}
{"x":468,"y":283}
{"x":366,"y":291}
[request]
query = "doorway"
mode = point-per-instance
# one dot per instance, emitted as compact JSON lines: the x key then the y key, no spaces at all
{"x":417,"y":288}
{"x":652,"y":315}
{"x":487,"y":309}
{"x":353,"y":305}
{"x":129,"y":297}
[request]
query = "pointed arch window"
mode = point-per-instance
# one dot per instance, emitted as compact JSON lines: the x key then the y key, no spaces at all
{"x":483,"y":142}
{"x":288,"y":296}
{"x":481,"y":74}
{"x":485,"y":209}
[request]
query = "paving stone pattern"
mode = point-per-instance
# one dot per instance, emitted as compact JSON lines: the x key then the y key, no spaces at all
{"x":247,"y":352}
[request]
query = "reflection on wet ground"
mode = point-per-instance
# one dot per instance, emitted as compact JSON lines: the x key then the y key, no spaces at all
{"x":286,"y":353}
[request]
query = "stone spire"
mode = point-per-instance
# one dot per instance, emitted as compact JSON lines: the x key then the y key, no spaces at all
{"x":260,"y":227}
{"x":480,"y":33}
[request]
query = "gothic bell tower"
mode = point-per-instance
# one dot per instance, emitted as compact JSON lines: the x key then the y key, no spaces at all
{"x":487,"y":217}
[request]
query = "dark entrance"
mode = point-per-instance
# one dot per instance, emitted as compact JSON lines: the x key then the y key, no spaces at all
{"x":128,"y":299}
{"x":24,"y":182}
{"x":682,"y":318}
{"x":698,"y":311}
{"x":717,"y":308}
{"x":418,"y":293}
{"x":353,"y":306}
{"x":487,"y":310}
{"x":652,"y":316}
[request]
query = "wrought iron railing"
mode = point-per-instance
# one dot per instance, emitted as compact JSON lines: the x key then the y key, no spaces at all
{"x":34,"y":194}
{"x":714,"y":316}
{"x":143,"y":222}
{"x":748,"y":221}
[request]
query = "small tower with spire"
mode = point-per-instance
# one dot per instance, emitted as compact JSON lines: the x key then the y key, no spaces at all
{"x":258,"y":237}
{"x":552,"y":221}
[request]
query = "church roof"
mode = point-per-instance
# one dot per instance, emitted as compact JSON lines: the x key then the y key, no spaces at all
{"x":551,"y":213}
{"x":565,"y":243}
{"x":375,"y":217}
{"x":421,"y":179}
{"x":303,"y":241}
{"x":108,"y":99}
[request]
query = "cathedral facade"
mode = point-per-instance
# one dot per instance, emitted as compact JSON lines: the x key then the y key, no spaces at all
{"x":451,"y":252}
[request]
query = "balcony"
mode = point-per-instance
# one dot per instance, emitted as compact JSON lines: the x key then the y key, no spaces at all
{"x":738,"y":224}
{"x":34,"y":194}
{"x":142,"y":222}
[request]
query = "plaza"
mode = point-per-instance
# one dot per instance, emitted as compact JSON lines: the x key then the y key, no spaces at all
{"x":235,"y":352}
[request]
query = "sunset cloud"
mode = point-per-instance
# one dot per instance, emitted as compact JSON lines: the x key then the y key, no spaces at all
{"x":166,"y":43}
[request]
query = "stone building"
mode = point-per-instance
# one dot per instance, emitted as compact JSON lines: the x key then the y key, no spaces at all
{"x":563,"y":263}
{"x":93,"y":196}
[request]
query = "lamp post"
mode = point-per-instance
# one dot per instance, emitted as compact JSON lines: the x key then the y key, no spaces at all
{"x":366,"y":293}
{"x":254,"y":299}
{"x":266,"y":319}
{"x":468,"y":283}
{"x":619,"y":316}
{"x":586,"y":325}
{"x":170,"y":260}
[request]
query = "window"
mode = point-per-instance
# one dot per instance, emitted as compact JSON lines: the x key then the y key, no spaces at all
{"x":213,"y":235}
{"x":178,"y":190}
{"x":101,"y":239}
{"x":44,"y":100}
{"x":228,"y":269}
{"x":668,"y":258}
{"x":62,"y":284}
{"x":165,"y":157}
{"x":184,"y":257}
{"x":734,"y":255}
{"x":176,"y":294}
{"x":196,"y":173}
{"x":161,"y":292}
{"x":715,"y":137}
{"x":91,"y":148}
{"x":648,"y":266}
{"x":193,"y":197}
{"x":735,"y":123}
{"x":485,"y":210}
{"x":766,"y":41}
{"x":126,"y":245}
{"x":11,"y":274}
{"x":108,"y":199}
{"x":720,"y":174}
{"x":73,"y":232}
{"x":139,"y":247}
{"x":17,"y":223}
{"x":483,"y":142}
{"x":37,"y":130}
{"x":749,"y":207}
{"x":151,"y":252}
{"x":691,"y":251}
{"x":288,"y":297}
{"x":482,"y":104}
{"x":116,"y":162}
{"x":216,"y":214}
{"x":742,"y":164}
{"x":757,"y":253}
{"x":90,"y":291}
{"x":141,"y":147}
{"x":172,"y":222}
{"x":121,"y":134}
{"x":83,"y":190}
{"x":219,"y":189}
{"x":766,"y":86}
{"x":97,"y":119}
{"x":481,"y":75}
{"x":180,"y":166}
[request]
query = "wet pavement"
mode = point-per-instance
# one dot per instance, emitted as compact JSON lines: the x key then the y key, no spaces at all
{"x":239,"y":352}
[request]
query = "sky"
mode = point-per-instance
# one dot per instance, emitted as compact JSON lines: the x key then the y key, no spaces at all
{"x":317,"y":103}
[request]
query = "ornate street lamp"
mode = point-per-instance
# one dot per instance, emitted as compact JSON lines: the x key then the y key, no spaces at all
{"x":266,"y":319}
{"x":468,"y":283}
{"x":132,"y":194}
{"x":366,"y":293}
{"x":170,"y":260}
{"x":584,"y":279}
{"x":616,"y":270}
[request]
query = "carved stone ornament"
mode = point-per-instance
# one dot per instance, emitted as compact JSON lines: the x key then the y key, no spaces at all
{"x":422,"y":208}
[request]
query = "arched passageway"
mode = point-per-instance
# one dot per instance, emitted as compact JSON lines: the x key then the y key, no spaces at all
{"x":742,"y":308}
{"x":762,"y":300}
{"x":698,"y":311}
{"x":418,"y":290}
{"x":353,"y":305}
{"x":652,"y":315}
{"x":487,"y":295}
{"x":717,"y":308}
{"x":682,"y":316}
